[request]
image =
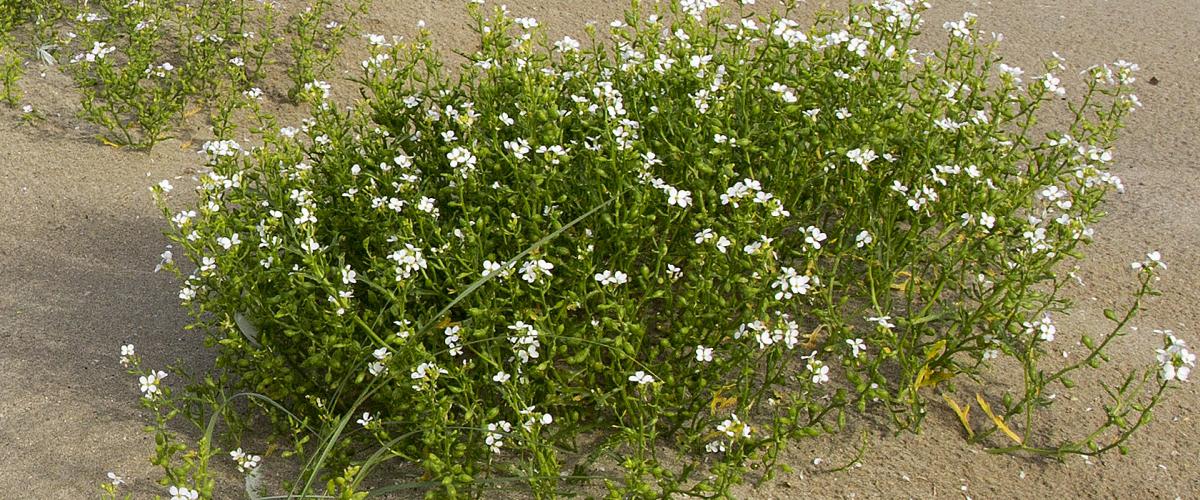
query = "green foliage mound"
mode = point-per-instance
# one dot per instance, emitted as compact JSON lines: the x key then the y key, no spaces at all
{"x":702,"y":231}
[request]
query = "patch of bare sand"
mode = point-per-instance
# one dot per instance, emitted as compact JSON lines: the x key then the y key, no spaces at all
{"x":79,"y":237}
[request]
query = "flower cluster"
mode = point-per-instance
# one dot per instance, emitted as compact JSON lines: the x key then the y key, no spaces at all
{"x":245,"y":461}
{"x":1174,"y":359}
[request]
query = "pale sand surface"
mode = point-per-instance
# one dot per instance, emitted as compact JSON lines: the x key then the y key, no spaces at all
{"x":79,"y":237}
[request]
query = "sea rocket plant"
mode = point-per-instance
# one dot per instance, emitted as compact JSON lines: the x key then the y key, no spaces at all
{"x":694,"y":239}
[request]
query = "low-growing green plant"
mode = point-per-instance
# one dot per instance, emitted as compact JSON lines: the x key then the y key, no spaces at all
{"x":128,"y":85}
{"x":316,"y":36}
{"x":12,"y":14}
{"x":671,"y":250}
{"x":226,"y":44}
{"x":187,"y":470}
{"x":10,"y":72}
{"x":35,"y":19}
{"x":143,"y":63}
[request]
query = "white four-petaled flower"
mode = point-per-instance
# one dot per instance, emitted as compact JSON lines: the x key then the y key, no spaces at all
{"x":1175,"y":360}
{"x":641,"y":378}
{"x":607,"y":278}
{"x":182,"y":493}
{"x":149,"y":383}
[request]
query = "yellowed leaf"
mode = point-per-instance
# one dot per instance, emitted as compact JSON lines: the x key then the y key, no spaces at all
{"x":964,"y":414}
{"x":983,"y":405}
{"x":812,"y":338}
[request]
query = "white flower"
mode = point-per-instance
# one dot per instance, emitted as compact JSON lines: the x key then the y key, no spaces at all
{"x":785,"y":92}
{"x":734,"y":427}
{"x":494,"y":437}
{"x":306,"y":216}
{"x":453,"y":341}
{"x":376,"y":40}
{"x":986,"y":220}
{"x":409,"y":260}
{"x":820,"y":372}
{"x":99,"y":50}
{"x":349,"y":276}
{"x":519,"y":148}
{"x":531,"y":270}
{"x":245,"y":462}
{"x":857,"y":346}
{"x":883,"y":321}
{"x":423,"y":371}
{"x":857,"y":46}
{"x":1153,"y":260}
{"x":814,"y":237}
{"x":705,"y":235}
{"x":126,"y":353}
{"x":567,"y":44}
{"x":495,"y":268}
{"x":221,"y":148}
{"x":861,"y":157}
{"x":376,"y":368}
{"x":611,"y":278}
{"x":461,"y":159}
{"x":1175,"y":360}
{"x":525,"y":343}
{"x":207,"y":264}
{"x":790,"y":284}
{"x":755,"y":247}
{"x":957,"y":29}
{"x":428,"y":205}
{"x":678,"y":197}
{"x":164,"y":259}
{"x":715,"y":447}
{"x":366,"y":419}
{"x":1012,"y":71}
{"x":181,"y":493}
{"x":863,"y":239}
{"x":501,"y":377}
{"x":165,"y":186}
{"x":696,"y":8}
{"x":1053,"y":85}
{"x":149,"y":383}
{"x":323,"y":87}
{"x":310,"y":246}
{"x":229,"y":242}
{"x":1044,"y":328}
{"x":723,"y":244}
{"x":115,"y":480}
{"x":704,"y":354}
{"x":641,"y":378}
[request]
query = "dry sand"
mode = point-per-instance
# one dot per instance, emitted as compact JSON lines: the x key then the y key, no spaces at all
{"x":79,"y":238}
